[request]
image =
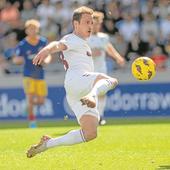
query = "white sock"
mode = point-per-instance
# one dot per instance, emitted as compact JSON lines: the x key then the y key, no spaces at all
{"x":103,"y":86}
{"x":101,"y":105}
{"x":71,"y":138}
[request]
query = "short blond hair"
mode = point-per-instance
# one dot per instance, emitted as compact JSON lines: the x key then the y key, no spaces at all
{"x":80,"y":11}
{"x":33,"y":22}
{"x":99,"y":16}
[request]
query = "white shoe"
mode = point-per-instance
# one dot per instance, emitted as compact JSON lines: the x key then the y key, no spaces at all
{"x":102,"y":122}
{"x":38,"y":148}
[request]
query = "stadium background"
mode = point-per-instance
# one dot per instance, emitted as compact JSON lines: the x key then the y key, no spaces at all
{"x":135,"y":27}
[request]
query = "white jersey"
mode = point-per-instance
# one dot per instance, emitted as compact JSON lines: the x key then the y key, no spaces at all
{"x":99,"y":42}
{"x":77,"y":56}
{"x":80,"y":75}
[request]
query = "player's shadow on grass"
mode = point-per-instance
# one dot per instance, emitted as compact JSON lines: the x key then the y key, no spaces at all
{"x":163,"y":167}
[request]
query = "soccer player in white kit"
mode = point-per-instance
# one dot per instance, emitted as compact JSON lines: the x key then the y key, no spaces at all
{"x":82,"y":84}
{"x":100,"y":45}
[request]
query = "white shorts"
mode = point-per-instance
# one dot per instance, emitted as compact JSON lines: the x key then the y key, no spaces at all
{"x":78,"y":86}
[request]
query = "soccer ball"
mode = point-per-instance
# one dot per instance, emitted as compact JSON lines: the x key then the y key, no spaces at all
{"x":143,"y":68}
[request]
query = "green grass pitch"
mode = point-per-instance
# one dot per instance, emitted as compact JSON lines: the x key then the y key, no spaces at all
{"x":123,"y":144}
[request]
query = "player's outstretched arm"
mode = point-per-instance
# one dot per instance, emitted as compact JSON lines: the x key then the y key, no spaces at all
{"x":115,"y":55}
{"x":49,"y":49}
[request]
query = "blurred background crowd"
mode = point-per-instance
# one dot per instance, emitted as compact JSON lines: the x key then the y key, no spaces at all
{"x":135,"y":27}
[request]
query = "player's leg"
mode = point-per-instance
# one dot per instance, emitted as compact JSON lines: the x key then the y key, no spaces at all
{"x":39,"y":100}
{"x":101,"y":99}
{"x":71,"y":138}
{"x":101,"y":107}
{"x":102,"y":84}
{"x":88,"y":119}
{"x":29,"y":89}
{"x":39,"y":89}
{"x":89,"y":126}
{"x":30,"y":110}
{"x":87,"y":132}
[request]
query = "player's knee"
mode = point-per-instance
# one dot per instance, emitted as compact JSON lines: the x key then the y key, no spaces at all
{"x":90,"y":135}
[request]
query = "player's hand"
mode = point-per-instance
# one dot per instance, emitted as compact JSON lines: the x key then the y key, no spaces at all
{"x":121,"y":62}
{"x":40,"y":57}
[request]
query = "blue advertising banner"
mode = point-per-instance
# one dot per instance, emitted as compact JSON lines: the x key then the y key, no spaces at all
{"x":125,"y":100}
{"x":13,"y":104}
{"x":139,"y":100}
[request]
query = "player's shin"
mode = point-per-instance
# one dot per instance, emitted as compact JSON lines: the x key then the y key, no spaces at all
{"x":71,"y":138}
{"x":31,"y":117}
{"x":101,"y":105}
